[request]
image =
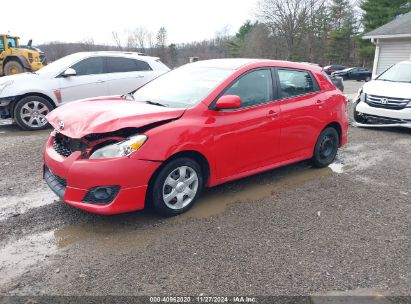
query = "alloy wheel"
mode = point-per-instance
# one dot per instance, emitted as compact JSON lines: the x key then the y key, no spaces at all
{"x":180,"y":187}
{"x":33,"y":114}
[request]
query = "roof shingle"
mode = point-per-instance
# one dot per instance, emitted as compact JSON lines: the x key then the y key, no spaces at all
{"x":400,"y":26}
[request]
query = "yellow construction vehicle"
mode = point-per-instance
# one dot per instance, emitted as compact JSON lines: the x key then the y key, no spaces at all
{"x":15,"y":59}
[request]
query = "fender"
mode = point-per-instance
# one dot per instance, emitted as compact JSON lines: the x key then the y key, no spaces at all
{"x":19,"y":58}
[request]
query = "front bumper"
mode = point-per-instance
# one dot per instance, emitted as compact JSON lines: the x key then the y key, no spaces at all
{"x":71,"y":178}
{"x":381,"y":117}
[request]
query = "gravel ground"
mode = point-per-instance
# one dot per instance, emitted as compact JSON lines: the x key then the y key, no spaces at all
{"x":291,"y":231}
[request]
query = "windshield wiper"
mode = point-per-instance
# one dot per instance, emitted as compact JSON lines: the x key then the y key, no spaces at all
{"x":155,"y":103}
{"x":126,"y":96}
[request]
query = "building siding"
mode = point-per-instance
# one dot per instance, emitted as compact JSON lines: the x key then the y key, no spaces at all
{"x":392,"y":51}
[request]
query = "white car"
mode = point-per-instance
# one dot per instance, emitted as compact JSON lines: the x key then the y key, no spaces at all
{"x":29,"y":97}
{"x":386,"y":100}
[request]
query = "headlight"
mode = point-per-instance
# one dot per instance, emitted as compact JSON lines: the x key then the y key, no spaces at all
{"x":120,"y":149}
{"x":363,"y":97}
{"x":5,"y":84}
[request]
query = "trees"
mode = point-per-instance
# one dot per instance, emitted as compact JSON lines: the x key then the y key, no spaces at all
{"x":343,"y":25}
{"x":380,"y":12}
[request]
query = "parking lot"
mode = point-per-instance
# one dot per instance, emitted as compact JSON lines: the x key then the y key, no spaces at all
{"x":290,"y":231}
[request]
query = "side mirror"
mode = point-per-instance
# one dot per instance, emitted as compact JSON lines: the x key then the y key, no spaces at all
{"x":228,"y":102}
{"x":69,"y":72}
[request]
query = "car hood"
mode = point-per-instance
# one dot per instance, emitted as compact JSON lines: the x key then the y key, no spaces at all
{"x":101,"y":115}
{"x":388,"y":89}
{"x":18,"y":77}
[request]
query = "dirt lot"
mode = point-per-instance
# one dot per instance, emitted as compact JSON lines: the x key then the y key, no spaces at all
{"x":291,"y":231}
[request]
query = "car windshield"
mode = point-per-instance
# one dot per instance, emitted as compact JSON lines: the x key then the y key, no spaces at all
{"x":59,"y":65}
{"x":401,"y":72}
{"x":182,"y":87}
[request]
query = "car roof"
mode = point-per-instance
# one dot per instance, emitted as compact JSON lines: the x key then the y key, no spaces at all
{"x":141,"y":56}
{"x":238,"y":63}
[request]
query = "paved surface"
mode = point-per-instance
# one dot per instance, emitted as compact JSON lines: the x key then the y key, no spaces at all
{"x":291,"y":231}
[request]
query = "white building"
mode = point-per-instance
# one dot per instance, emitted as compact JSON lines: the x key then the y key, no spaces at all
{"x":392,"y":43}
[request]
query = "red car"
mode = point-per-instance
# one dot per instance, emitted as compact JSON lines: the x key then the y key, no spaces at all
{"x":203,"y":124}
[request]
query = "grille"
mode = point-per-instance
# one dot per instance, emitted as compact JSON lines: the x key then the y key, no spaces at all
{"x":62,"y":146}
{"x":65,"y":146}
{"x":387,"y":102}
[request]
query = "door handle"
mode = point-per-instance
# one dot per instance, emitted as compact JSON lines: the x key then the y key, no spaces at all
{"x":140,"y":76}
{"x":319,"y":103}
{"x":272,"y":114}
{"x":100,"y":81}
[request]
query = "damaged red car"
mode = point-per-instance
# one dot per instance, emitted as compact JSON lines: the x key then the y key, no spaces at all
{"x":200,"y":125}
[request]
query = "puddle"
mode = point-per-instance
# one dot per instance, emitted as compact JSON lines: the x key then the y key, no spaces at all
{"x":214,"y":201}
{"x":16,"y":257}
{"x":16,"y":205}
{"x":105,"y":236}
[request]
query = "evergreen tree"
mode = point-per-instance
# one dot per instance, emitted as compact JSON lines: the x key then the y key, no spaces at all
{"x":380,"y":12}
{"x":236,"y":45}
{"x":343,"y":26}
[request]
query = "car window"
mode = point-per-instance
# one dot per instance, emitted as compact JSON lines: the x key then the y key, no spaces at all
{"x":254,"y":88}
{"x":296,"y":82}
{"x":1,"y":44}
{"x":89,"y":66}
{"x":122,"y":65}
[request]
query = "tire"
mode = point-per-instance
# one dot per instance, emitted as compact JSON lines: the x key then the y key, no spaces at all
{"x":326,"y":148}
{"x":172,"y":195}
{"x":30,"y":112}
{"x":367,"y":79}
{"x":13,"y":67}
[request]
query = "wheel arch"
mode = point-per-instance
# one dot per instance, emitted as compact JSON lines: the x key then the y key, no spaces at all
{"x":12,"y":107}
{"x":19,"y":58}
{"x":195,"y":155}
{"x":337,"y":127}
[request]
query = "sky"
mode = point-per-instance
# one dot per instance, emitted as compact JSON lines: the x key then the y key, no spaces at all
{"x":79,"y":20}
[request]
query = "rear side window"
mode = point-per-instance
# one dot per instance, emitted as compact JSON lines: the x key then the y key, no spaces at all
{"x":296,"y":82}
{"x":89,"y":66}
{"x":122,"y":65}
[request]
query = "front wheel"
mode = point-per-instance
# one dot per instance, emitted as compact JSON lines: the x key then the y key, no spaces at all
{"x":30,"y":113}
{"x":326,"y":148}
{"x":177,"y":186}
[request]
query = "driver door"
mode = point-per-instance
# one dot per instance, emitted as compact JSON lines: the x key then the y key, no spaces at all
{"x":89,"y":81}
{"x":247,"y":138}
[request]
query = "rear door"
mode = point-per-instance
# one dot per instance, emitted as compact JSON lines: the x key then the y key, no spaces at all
{"x":89,"y":81}
{"x":301,"y":107}
{"x":127,"y":74}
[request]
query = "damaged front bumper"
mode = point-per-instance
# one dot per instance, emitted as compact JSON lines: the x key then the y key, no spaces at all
{"x":372,"y":117}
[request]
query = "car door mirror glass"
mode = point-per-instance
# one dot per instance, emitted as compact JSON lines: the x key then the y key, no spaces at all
{"x":69,"y":72}
{"x":228,"y":102}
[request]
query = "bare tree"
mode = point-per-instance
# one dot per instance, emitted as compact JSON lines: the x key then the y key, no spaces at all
{"x":117,"y":40}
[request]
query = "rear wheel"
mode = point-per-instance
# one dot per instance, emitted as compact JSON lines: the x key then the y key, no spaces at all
{"x":30,"y":113}
{"x":326,"y":148}
{"x":368,"y":78}
{"x":13,"y":67}
{"x":177,"y":186}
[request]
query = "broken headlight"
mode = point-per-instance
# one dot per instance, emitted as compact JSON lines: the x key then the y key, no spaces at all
{"x":120,"y":149}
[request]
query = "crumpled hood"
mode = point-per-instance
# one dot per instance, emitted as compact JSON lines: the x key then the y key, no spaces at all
{"x":101,"y":115}
{"x":388,"y":89}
